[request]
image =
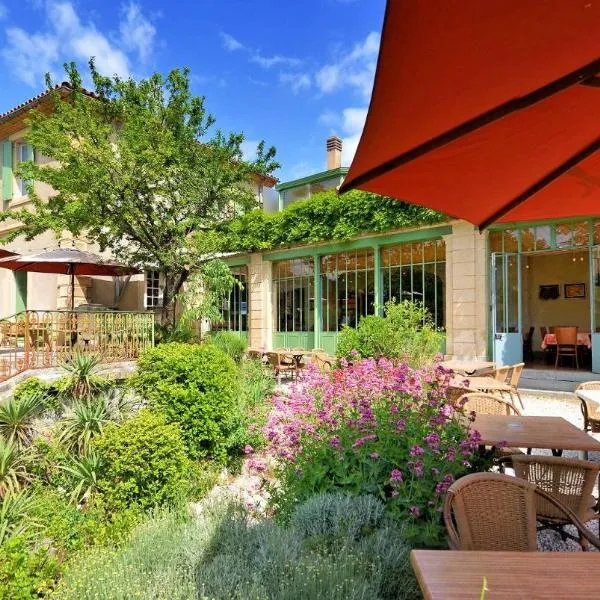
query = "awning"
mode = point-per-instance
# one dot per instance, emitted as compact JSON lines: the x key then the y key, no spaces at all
{"x":486,"y":111}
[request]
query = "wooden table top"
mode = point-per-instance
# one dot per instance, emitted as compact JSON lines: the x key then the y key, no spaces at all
{"x":468,"y":367}
{"x":533,"y":432}
{"x":477,"y":384}
{"x":454,"y":575}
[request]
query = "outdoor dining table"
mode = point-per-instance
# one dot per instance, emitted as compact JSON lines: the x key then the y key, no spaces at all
{"x":479,"y":384}
{"x":295,"y":355}
{"x":468,"y":367}
{"x":550,"y":433}
{"x":459,"y":575}
{"x":583,"y":339}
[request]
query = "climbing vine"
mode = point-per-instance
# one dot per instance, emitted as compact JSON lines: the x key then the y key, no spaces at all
{"x":323,"y":217}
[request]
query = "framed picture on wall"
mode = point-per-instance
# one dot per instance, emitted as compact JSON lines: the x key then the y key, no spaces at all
{"x":549,"y":291}
{"x":574,"y":290}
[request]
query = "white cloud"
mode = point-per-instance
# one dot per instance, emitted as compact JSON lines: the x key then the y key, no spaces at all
{"x":352,"y":126}
{"x":329,"y":118}
{"x":137,"y":33}
{"x":31,"y":54}
{"x":248,"y":148}
{"x":270,"y":61}
{"x":296,"y":81}
{"x":354,"y":70}
{"x":230,"y":43}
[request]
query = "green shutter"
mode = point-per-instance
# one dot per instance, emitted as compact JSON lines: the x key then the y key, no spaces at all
{"x":21,"y":289}
{"x":7,"y":171}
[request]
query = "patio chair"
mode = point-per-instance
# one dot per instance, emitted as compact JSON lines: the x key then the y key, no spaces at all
{"x":487,"y":404}
{"x":570,"y":481}
{"x":566,"y":344}
{"x":497,"y":512}
{"x":589,"y":408}
{"x":501,"y":374}
{"x":513,"y":378}
{"x":254,"y":353}
{"x":279,"y":366}
{"x":323,"y":361}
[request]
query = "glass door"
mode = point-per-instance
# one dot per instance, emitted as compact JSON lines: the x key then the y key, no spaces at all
{"x":506,"y":308}
{"x":595,"y":306}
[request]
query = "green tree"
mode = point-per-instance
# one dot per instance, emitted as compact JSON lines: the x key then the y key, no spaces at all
{"x":139,"y":172}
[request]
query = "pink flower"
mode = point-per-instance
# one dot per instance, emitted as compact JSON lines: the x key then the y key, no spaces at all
{"x":395,"y":493}
{"x":248,"y":449}
{"x":396,"y":476}
{"x":335,"y":441}
{"x":415,"y":511}
{"x":416,"y":451}
{"x":374,"y":455}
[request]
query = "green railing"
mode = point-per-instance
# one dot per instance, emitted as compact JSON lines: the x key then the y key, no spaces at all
{"x":37,"y":339}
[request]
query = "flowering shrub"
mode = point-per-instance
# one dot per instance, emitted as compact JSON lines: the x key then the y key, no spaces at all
{"x":373,"y":428}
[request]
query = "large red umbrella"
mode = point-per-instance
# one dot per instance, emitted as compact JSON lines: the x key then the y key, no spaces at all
{"x":487,"y":111}
{"x":66,"y":261}
{"x":5,"y":253}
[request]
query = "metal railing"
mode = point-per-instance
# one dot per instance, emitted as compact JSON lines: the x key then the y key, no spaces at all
{"x":37,"y":339}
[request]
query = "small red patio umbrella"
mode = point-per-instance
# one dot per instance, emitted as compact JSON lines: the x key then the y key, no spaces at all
{"x":66,"y":261}
{"x":486,"y":111}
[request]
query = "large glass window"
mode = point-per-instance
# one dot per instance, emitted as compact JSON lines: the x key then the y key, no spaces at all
{"x":348,"y":288}
{"x":294,"y":295}
{"x":416,"y":271}
{"x":234,"y":308}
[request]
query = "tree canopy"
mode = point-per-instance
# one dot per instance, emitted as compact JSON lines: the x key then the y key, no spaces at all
{"x":138,"y":172}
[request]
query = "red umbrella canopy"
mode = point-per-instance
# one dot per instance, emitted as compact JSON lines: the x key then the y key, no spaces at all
{"x":5,"y":253}
{"x":486,"y":111}
{"x":66,"y":261}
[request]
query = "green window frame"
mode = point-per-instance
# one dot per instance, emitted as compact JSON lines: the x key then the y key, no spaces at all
{"x":416,"y":271}
{"x":235,"y":307}
{"x":294,"y":295}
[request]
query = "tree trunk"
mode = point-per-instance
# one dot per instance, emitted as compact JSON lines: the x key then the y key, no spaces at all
{"x":173,"y":285}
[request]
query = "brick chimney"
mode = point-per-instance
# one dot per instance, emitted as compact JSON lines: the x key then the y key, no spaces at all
{"x":334,"y":152}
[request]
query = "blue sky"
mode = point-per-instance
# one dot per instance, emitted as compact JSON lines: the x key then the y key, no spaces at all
{"x":288,"y":71}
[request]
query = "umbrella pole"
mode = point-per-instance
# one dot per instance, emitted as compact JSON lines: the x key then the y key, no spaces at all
{"x":72,"y":270}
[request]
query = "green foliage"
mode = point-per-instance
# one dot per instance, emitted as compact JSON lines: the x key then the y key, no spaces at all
{"x":17,"y":416}
{"x":145,"y":463}
{"x":230,"y":343}
{"x":222,"y":555}
{"x":13,"y":467}
{"x":34,"y":385}
{"x":195,"y":386}
{"x":24,"y":573}
{"x":406,"y":333}
{"x":81,"y":381}
{"x":15,"y":515}
{"x":324,"y":216}
{"x":85,"y":471}
{"x":138,"y":183}
{"x":84,"y":420}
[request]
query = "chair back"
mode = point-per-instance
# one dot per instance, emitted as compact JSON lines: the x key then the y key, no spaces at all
{"x":566,"y":336}
{"x":569,"y":480}
{"x":491,"y":511}
{"x":589,"y":385}
{"x":529,"y":335}
{"x":274,"y":359}
{"x":322,"y":360}
{"x":543,"y":332}
{"x":487,"y":404}
{"x":501,"y":374}
{"x":254,"y":353}
{"x":515,"y":375}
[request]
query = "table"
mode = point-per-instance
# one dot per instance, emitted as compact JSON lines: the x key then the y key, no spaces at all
{"x":552,"y":433}
{"x":583,"y":339}
{"x":468,"y":367}
{"x":480,"y":384}
{"x":295,"y":355}
{"x":458,"y":575}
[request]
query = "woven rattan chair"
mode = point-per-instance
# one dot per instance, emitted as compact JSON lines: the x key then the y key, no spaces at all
{"x":496,"y":512}
{"x":566,"y":344}
{"x":487,"y":404}
{"x":569,"y":480}
{"x":323,"y":361}
{"x":513,"y":378}
{"x":254,"y":353}
{"x":501,"y":374}
{"x":279,"y":366}
{"x":589,"y":408}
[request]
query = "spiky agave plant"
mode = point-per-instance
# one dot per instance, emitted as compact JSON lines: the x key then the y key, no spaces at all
{"x":81,"y":380}
{"x":84,"y":420}
{"x":13,"y":468}
{"x":85,"y":472}
{"x":15,"y":516}
{"x":17,"y":417}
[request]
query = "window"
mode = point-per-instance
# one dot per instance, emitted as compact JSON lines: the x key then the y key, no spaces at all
{"x":24,"y":152}
{"x":348,"y":288}
{"x":294,"y":295}
{"x":234,"y":307}
{"x":154,"y":289}
{"x":416,"y":272}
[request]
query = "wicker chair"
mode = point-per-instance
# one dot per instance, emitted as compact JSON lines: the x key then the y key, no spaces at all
{"x":501,"y":374}
{"x":513,"y":378}
{"x":279,"y":365}
{"x":487,"y":404}
{"x":323,"y":361}
{"x":590,"y":409}
{"x":569,"y":480}
{"x":496,"y":512}
{"x":566,"y":344}
{"x":254,"y":353}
